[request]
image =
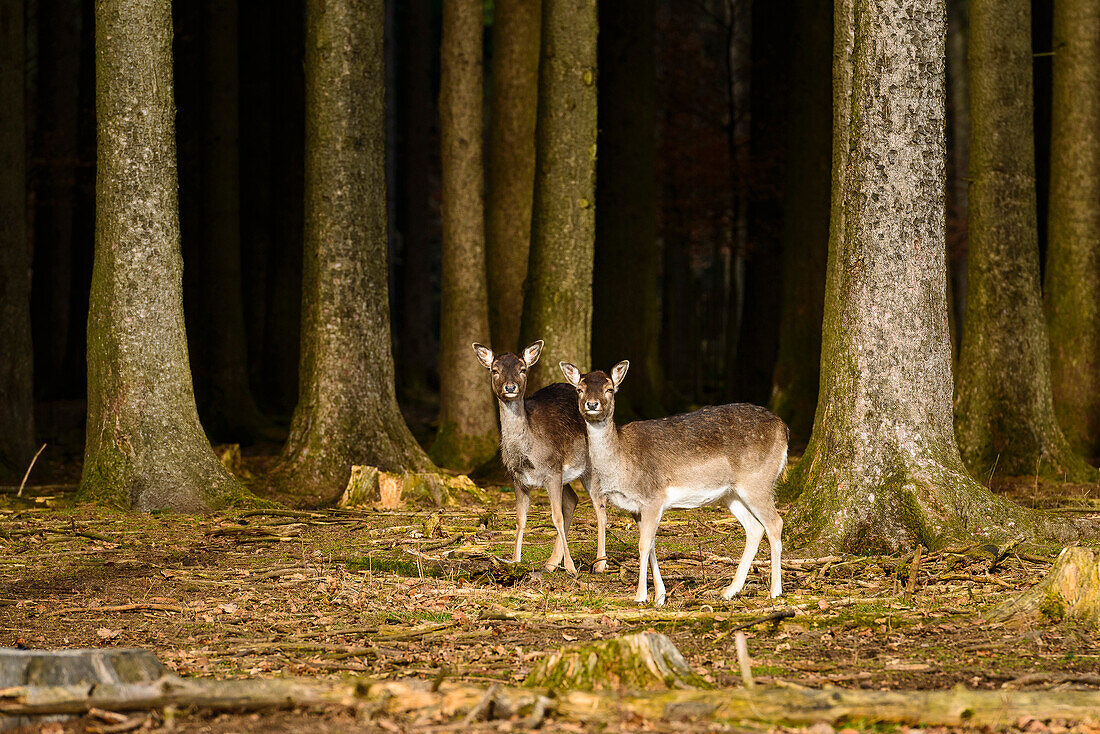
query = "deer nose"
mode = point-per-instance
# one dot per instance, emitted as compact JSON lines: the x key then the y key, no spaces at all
{"x":511,"y":387}
{"x":592,"y":405}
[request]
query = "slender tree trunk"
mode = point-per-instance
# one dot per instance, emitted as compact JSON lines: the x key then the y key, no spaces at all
{"x":16,"y":356}
{"x":58,"y":59}
{"x":467,"y":422}
{"x":417,"y":351}
{"x":738,"y":58}
{"x":510,"y":174}
{"x":805,"y":220}
{"x":558,"y":304}
{"x":229,"y":412}
{"x":1073,"y":250}
{"x":347,"y":408}
{"x":882,"y":471}
{"x":1005,"y":410}
{"x":625,"y":323}
{"x":145,"y":448}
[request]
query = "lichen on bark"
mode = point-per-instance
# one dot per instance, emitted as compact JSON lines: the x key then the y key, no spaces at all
{"x":882,"y":471}
{"x":1005,"y":418}
{"x":1073,"y":237}
{"x":558,"y":303}
{"x":347,"y":410}
{"x":145,"y":448}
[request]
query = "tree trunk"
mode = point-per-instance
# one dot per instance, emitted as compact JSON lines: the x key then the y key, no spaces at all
{"x":417,"y":352}
{"x":625,"y":279}
{"x":145,"y":448}
{"x":229,"y":412}
{"x":58,"y":60}
{"x":805,"y":220}
{"x":558,"y":304}
{"x":467,"y":418}
{"x":16,"y":357}
{"x":1073,"y":249}
{"x":513,"y":94}
{"x":347,"y":409}
{"x":1005,"y":410}
{"x":882,"y":471}
{"x":958,"y":165}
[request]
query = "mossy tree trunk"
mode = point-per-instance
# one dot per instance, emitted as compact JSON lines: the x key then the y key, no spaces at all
{"x":347,"y":408}
{"x":805,"y":220}
{"x":558,"y":302}
{"x":228,"y":409}
{"x":16,"y":356}
{"x":145,"y":448}
{"x":467,"y":417}
{"x":417,"y":350}
{"x":882,"y":471}
{"x":1005,"y":409}
{"x":625,"y":322}
{"x":510,"y":173}
{"x":1073,"y":250}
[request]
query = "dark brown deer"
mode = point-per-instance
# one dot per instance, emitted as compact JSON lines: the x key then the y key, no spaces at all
{"x":542,"y":445}
{"x":727,"y":455}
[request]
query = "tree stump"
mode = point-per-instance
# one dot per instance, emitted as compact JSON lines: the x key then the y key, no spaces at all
{"x":647,"y":660}
{"x":1069,"y":592}
{"x":369,"y":486}
{"x":73,"y":668}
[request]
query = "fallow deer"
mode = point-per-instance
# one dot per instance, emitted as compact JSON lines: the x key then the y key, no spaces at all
{"x":542,"y":444}
{"x":727,"y":455}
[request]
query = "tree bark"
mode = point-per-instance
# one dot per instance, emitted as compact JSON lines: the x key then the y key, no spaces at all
{"x":805,"y":220}
{"x":17,"y":356}
{"x":417,"y":351}
{"x":625,"y":323}
{"x":882,"y":471}
{"x":958,"y":165}
{"x":1005,"y":410}
{"x":145,"y":448}
{"x":468,"y":432}
{"x":229,"y":411}
{"x":1073,"y":249}
{"x":558,"y":303}
{"x":513,"y":94}
{"x":347,"y":409}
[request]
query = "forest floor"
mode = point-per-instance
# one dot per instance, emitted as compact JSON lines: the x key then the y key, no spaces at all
{"x":418,"y":594}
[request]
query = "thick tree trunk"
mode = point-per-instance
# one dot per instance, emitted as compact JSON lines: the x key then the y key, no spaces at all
{"x":228,"y":410}
{"x":1073,"y":249}
{"x":882,"y":471}
{"x":417,"y":351}
{"x":805,"y":220}
{"x":1005,"y":410}
{"x":467,"y":418}
{"x":625,"y":322}
{"x":16,"y":356}
{"x":145,"y":448}
{"x":510,"y":173}
{"x":558,"y":304}
{"x":58,"y":60}
{"x":347,"y":409}
{"x":958,"y":165}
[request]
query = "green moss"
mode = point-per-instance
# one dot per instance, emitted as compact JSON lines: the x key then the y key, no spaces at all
{"x":454,"y":449}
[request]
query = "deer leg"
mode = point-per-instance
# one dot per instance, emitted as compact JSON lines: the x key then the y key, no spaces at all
{"x":647,"y":538}
{"x":658,"y":583}
{"x":523,"y":501}
{"x":754,"y":532}
{"x":554,"y":489}
{"x":599,"y":504}
{"x":773,"y":526}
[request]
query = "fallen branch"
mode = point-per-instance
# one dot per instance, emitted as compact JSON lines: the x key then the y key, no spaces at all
{"x":452,"y":701}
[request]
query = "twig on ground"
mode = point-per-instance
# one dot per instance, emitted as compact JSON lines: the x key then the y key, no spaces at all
{"x":27,"y":473}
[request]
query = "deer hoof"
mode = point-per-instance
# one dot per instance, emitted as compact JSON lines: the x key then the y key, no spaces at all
{"x":659,"y":601}
{"x":599,"y":567}
{"x":730,"y":593}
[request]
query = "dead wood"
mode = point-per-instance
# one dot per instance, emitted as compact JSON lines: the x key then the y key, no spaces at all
{"x":451,"y":701}
{"x":646,"y":660}
{"x":1069,"y":592}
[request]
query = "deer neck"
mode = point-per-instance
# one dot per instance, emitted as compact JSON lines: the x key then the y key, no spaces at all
{"x":513,"y":419}
{"x":605,"y":455}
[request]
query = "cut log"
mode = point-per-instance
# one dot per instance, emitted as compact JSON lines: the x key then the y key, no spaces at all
{"x":1070,"y":592}
{"x":371,"y":487}
{"x":446,"y":701}
{"x":643,"y":661}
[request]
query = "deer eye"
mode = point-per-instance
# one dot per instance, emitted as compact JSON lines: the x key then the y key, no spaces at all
{"x":523,"y":370}
{"x":496,"y":371}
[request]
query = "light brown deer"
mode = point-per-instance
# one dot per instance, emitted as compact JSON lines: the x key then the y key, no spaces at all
{"x":727,"y":455}
{"x":542,"y":444}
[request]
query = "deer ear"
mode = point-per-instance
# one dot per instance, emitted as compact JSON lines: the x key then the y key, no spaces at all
{"x":484,"y":355}
{"x":571,"y":373}
{"x":531,"y":353}
{"x":618,"y":372}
